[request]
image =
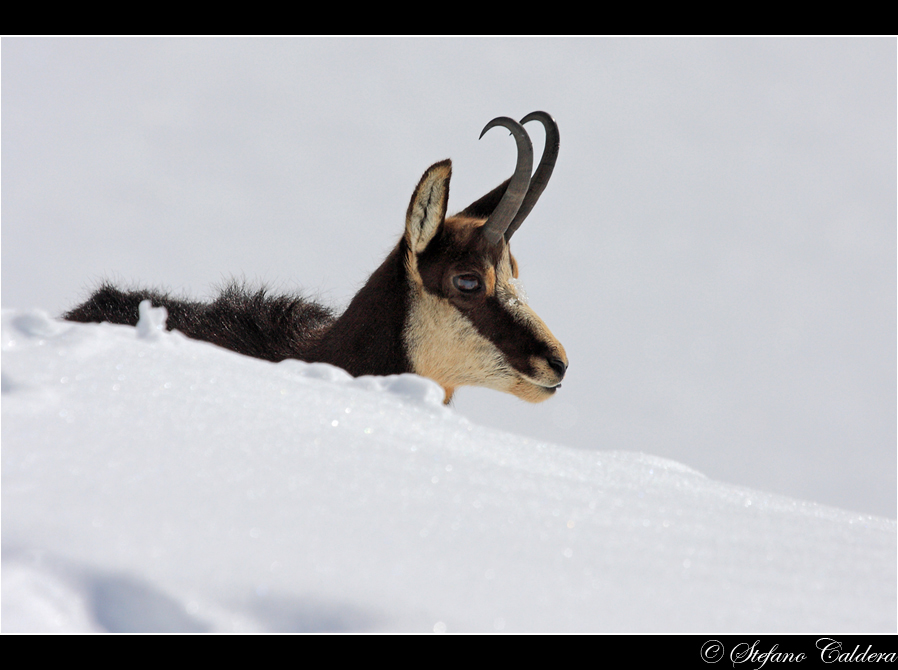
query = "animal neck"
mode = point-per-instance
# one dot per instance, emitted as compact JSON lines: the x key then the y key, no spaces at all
{"x":367,"y":338}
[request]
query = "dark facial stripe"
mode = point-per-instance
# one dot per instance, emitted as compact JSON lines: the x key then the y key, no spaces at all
{"x":520,"y":344}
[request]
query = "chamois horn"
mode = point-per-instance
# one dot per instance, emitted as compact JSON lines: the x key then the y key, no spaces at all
{"x":540,"y":179}
{"x":499,"y":221}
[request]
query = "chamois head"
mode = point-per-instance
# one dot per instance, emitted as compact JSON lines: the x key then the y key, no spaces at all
{"x":468,"y":320}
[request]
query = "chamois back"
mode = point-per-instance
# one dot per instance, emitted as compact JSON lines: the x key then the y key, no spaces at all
{"x":250,"y":322}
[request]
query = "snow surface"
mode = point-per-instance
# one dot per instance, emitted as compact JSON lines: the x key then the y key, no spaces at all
{"x":155,"y":483}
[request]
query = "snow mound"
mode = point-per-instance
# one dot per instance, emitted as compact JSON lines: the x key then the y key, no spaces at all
{"x":151,"y":320}
{"x":154,"y":483}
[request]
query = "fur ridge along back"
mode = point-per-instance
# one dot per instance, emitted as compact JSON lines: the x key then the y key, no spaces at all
{"x":248,"y":322}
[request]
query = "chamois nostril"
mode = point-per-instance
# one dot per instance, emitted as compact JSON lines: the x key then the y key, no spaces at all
{"x":558,"y":365}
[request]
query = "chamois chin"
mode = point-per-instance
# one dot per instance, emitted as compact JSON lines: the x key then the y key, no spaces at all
{"x":444,"y":304}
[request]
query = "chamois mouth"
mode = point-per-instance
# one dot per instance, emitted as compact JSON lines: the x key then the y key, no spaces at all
{"x":532,"y":390}
{"x":549,"y":388}
{"x":541,"y":385}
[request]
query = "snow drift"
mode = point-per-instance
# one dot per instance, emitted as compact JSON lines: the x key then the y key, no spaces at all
{"x":155,"y":483}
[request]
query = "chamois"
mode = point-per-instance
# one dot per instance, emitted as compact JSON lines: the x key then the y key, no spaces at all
{"x":445,"y":303}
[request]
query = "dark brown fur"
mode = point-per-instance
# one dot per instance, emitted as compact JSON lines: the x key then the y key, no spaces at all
{"x":366,"y":339}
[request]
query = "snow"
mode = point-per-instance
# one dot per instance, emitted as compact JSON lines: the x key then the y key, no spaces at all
{"x":154,"y":483}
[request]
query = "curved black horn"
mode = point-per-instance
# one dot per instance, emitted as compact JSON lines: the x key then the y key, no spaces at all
{"x":546,"y":164}
{"x":500,"y":219}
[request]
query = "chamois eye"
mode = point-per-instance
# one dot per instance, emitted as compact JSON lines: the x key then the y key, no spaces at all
{"x":467,"y":283}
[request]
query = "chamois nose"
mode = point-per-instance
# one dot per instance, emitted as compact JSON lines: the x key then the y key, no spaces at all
{"x":558,"y":365}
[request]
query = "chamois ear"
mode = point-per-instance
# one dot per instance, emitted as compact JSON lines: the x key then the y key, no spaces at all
{"x":427,"y":209}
